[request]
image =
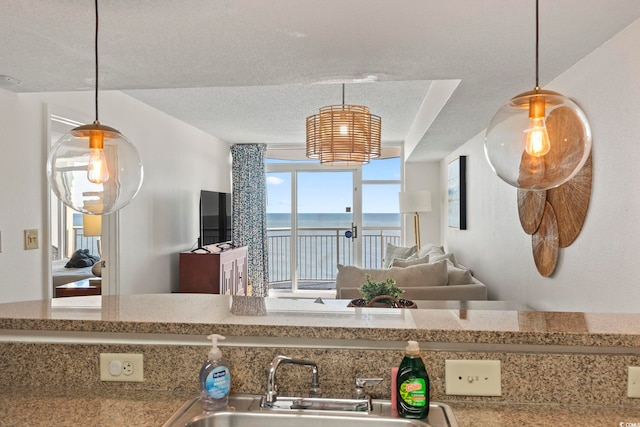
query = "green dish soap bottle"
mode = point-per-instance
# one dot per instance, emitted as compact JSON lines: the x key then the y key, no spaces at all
{"x":412,"y":384}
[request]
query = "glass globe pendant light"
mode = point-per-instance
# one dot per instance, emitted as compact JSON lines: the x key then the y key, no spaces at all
{"x":539,"y":140}
{"x":94,"y":169}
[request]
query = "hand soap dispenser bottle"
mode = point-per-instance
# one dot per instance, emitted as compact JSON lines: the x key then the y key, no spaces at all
{"x":412,"y":384}
{"x":215,"y":378}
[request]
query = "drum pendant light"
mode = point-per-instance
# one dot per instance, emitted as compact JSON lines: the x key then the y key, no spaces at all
{"x":343,"y":135}
{"x":529,"y":151}
{"x":94,"y":169}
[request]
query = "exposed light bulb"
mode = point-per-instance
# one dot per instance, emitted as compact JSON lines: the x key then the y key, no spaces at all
{"x":537,"y":142}
{"x":344,"y":130}
{"x":97,"y":171}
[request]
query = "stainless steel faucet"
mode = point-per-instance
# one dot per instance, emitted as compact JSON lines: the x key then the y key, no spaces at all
{"x":272,"y":387}
{"x":359,"y":392}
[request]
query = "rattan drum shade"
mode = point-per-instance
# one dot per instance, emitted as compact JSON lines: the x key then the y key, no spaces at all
{"x":343,"y":135}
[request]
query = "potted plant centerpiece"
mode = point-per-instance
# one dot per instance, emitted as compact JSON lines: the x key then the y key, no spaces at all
{"x":381,"y":294}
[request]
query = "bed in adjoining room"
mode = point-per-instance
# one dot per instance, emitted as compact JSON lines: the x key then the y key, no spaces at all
{"x":78,"y":267}
{"x":63,"y":275}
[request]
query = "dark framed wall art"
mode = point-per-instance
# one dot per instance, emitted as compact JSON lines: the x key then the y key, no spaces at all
{"x":457,"y":193}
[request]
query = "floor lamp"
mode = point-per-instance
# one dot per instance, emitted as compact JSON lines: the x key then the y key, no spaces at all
{"x":414,"y":202}
{"x":92,"y":227}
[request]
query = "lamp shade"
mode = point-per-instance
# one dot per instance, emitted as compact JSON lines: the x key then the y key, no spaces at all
{"x":414,"y":201}
{"x":343,"y":135}
{"x":91,"y":225}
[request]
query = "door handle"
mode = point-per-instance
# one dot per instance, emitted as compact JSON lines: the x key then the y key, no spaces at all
{"x":353,"y":233}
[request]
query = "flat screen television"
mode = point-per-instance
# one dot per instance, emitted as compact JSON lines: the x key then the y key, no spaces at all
{"x":215,"y":218}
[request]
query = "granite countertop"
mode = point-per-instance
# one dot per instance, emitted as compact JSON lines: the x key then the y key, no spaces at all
{"x":57,"y":408}
{"x":108,"y":408}
{"x":507,"y":415}
{"x":193,"y":314}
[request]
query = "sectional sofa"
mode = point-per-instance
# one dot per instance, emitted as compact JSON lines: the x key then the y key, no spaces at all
{"x":426,"y":274}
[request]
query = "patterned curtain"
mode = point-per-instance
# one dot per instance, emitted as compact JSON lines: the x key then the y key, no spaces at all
{"x":249,"y":226}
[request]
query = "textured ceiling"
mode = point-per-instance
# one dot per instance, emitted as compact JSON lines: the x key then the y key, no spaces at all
{"x":247,"y":70}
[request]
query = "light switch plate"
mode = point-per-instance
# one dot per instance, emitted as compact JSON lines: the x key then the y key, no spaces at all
{"x":31,"y":239}
{"x":473,"y":377}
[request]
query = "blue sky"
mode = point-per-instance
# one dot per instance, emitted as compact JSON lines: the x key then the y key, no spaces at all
{"x":330,"y":191}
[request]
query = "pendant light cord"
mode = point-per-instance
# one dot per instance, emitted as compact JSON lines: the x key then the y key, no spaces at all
{"x":96,"y":54}
{"x":342,"y":93}
{"x":537,"y":48}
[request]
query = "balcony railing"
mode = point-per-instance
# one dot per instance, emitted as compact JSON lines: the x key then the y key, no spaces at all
{"x":320,"y":250}
{"x":83,"y":242}
{"x":77,"y":240}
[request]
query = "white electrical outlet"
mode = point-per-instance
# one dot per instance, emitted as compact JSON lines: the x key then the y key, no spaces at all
{"x":633,"y":382}
{"x":473,"y":377}
{"x":121,"y":367}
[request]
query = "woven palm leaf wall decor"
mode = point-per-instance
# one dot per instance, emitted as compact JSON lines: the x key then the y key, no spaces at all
{"x":554,"y":218}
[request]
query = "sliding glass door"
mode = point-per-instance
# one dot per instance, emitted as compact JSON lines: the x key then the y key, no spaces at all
{"x":326,"y":227}
{"x":319,"y":217}
{"x":313,"y":221}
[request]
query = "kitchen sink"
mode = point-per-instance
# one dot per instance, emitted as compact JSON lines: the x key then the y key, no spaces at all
{"x":245,"y":411}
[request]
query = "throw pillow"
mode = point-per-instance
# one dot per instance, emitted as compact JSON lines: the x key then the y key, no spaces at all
{"x":404,"y":263}
{"x":464,"y":267}
{"x":435,"y":250}
{"x":97,"y":269}
{"x":392,"y":252}
{"x":350,"y":276}
{"x":412,"y":276}
{"x":416,"y":276}
{"x":450,"y":258}
{"x":427,"y":249}
{"x":459,"y":276}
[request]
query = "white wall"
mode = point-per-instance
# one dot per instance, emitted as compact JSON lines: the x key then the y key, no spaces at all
{"x":21,"y":196}
{"x":178,"y":159}
{"x":424,"y":176}
{"x":599,"y":272}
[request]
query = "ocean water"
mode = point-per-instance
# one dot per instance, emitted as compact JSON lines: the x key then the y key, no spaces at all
{"x":332,"y":220}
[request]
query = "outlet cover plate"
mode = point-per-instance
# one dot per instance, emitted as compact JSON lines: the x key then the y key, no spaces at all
{"x":633,"y":382}
{"x":121,"y":367}
{"x":473,"y":377}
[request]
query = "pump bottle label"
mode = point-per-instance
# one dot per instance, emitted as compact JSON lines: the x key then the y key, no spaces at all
{"x":218,"y":382}
{"x":414,"y":392}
